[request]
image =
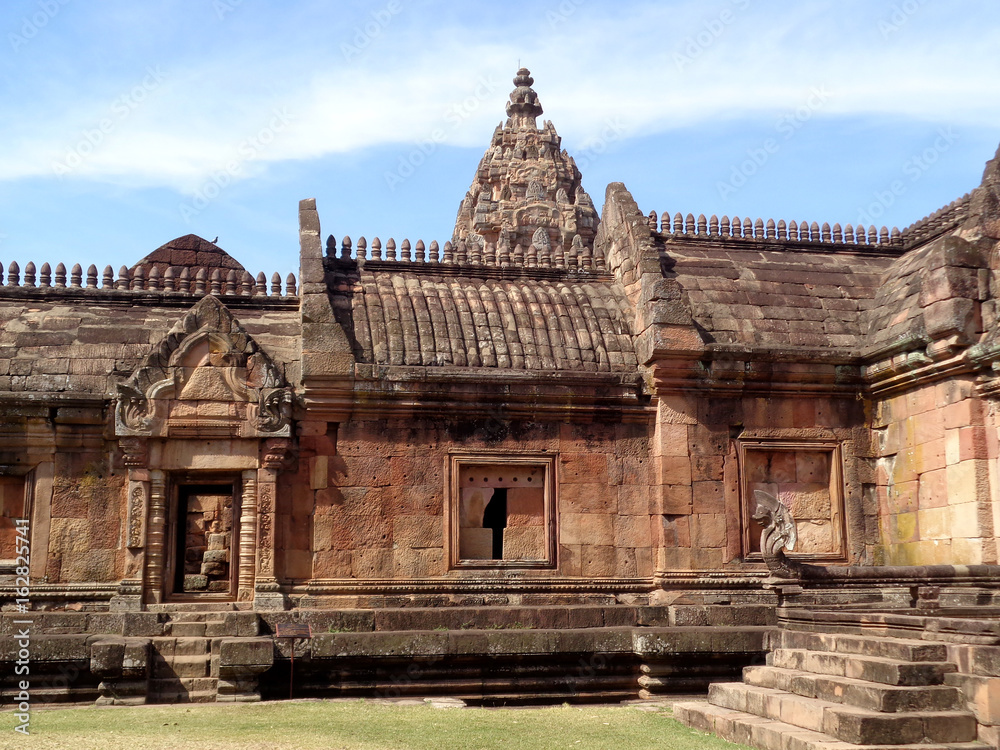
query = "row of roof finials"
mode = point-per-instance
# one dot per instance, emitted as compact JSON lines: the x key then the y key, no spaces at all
{"x":541,"y":253}
{"x":726,"y":228}
{"x":197,"y":281}
{"x":745,"y":229}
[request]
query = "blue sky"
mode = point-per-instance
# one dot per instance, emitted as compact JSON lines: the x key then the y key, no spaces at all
{"x":126,"y":124}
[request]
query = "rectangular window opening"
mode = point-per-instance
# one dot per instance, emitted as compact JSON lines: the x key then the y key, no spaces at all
{"x":502,"y":511}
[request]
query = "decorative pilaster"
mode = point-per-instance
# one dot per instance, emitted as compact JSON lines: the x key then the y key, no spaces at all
{"x":274,"y":454}
{"x":135,"y":457}
{"x":156,"y":535}
{"x":248,"y":536}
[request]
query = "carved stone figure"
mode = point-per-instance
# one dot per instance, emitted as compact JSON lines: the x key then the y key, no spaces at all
{"x":778,"y":534}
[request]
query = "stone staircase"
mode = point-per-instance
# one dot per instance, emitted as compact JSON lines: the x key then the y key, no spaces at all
{"x":837,"y":691}
{"x":185,"y":665}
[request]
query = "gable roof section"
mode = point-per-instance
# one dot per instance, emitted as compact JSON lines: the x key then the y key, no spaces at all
{"x":414,"y":316}
{"x":778,"y":299}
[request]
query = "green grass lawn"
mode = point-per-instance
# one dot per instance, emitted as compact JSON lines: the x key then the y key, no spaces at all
{"x":353,"y":725}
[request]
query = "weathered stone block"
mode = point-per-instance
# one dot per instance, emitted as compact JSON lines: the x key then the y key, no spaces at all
{"x":524,"y":543}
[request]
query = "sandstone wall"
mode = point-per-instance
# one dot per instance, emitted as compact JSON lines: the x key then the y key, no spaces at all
{"x":697,"y":475}
{"x":937,"y":449}
{"x":371,"y":501}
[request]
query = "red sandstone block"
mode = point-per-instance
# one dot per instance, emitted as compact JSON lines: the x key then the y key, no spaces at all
{"x":632,"y":531}
{"x":904,"y":496}
{"x":676,"y":530}
{"x":952,"y":391}
{"x":708,"y":497}
{"x":933,"y":491}
{"x":583,"y":467}
{"x":707,"y":468}
{"x":948,"y":282}
{"x":931,"y":455}
{"x":952,"y":316}
{"x":929,"y":424}
{"x":588,"y":498}
{"x":633,"y":500}
{"x":674,"y":470}
{"x":372,"y":563}
{"x":418,"y":563}
{"x":671,"y":440}
{"x":672,"y":499}
{"x":597,"y":561}
{"x":965,"y":443}
{"x":963,"y":413}
{"x":586,"y":528}
{"x":904,"y":467}
{"x":569,"y":559}
{"x":708,"y":530}
{"x":418,"y":531}
{"x":625,"y":562}
{"x":803,"y":412}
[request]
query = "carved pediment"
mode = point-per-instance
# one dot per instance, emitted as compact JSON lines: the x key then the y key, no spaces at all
{"x":206,"y":377}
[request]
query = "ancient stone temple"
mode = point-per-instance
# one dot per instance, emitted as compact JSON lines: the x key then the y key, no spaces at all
{"x":555,"y":458}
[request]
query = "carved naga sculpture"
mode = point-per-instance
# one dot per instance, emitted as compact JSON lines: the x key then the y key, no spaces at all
{"x":777,"y":536}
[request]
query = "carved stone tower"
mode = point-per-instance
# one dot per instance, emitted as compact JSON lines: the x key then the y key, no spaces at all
{"x":527,"y":190}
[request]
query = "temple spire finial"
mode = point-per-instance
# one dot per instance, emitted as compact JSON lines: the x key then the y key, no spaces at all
{"x":523,"y":108}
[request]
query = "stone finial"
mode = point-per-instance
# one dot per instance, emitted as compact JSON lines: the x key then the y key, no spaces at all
{"x":525,"y":181}
{"x":523,"y":108}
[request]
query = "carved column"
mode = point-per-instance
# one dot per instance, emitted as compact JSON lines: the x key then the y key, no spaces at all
{"x":248,"y":536}
{"x":156,"y":537}
{"x":134,"y":456}
{"x":267,"y":591}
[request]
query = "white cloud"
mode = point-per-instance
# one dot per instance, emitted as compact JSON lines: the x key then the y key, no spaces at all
{"x":428,"y":77}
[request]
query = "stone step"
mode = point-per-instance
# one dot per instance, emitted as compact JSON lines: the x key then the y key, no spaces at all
{"x":860,"y":693}
{"x":870,"y":668}
{"x":170,"y":646}
{"x":182,"y":666}
{"x":845,"y":723}
{"x":770,"y":734}
{"x":183,"y":684}
{"x":185,"y":629}
{"x":900,"y":649}
{"x":208,"y":696}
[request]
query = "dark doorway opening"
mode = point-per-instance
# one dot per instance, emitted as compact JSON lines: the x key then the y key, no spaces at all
{"x":205,"y":536}
{"x":495,"y":518}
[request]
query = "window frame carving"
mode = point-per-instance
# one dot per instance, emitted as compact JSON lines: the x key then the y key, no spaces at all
{"x":456,"y":461}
